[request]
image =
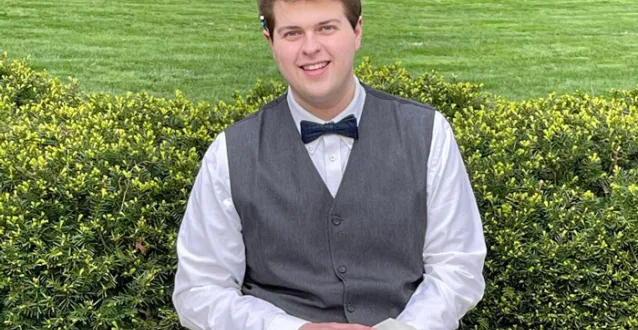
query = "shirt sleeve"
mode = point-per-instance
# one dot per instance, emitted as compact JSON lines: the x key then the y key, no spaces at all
{"x":211,"y":258}
{"x":454,"y":250}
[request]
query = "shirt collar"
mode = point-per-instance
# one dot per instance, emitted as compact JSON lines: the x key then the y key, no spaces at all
{"x":354,"y":108}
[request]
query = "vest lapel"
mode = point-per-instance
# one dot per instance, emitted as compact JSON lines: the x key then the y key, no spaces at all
{"x":358,"y":149}
{"x":290,"y":136}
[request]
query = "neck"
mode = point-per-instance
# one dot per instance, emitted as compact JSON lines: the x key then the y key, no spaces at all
{"x":332,"y":106}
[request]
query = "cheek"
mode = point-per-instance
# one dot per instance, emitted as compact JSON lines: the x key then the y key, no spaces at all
{"x":342,"y":50}
{"x":286,"y":56}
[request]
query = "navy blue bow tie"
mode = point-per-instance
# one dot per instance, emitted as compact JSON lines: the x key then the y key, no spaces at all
{"x":347,"y":127}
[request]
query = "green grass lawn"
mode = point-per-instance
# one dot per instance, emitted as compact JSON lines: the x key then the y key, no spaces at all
{"x":519,"y":49}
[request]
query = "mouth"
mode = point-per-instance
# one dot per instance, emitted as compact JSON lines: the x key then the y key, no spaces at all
{"x":315,"y":67}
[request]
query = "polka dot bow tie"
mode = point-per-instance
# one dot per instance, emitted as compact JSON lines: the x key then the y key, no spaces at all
{"x":347,"y":127}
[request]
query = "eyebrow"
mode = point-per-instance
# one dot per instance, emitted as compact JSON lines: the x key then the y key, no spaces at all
{"x":295,"y":27}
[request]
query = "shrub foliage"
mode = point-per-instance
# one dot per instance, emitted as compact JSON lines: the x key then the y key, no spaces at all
{"x":92,"y":190}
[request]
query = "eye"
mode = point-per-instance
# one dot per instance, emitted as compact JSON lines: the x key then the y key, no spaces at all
{"x":328,"y":28}
{"x":291,"y":34}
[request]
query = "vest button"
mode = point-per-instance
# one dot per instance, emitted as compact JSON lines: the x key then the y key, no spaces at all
{"x":336,"y":220}
{"x":350,"y":308}
{"x":342,"y":269}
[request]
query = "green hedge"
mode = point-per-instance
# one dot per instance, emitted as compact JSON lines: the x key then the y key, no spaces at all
{"x":93,"y":188}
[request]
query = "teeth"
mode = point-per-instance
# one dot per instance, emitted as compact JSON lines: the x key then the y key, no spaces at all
{"x":315,"y":66}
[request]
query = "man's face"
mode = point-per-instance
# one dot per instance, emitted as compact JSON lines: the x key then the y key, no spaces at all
{"x":314,"y":46}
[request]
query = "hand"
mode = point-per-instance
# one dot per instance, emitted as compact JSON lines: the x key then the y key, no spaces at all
{"x":334,"y":326}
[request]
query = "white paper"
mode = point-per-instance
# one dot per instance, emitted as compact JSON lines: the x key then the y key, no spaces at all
{"x":392,"y":324}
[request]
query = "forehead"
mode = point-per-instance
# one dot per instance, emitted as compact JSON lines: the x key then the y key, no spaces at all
{"x":307,"y":12}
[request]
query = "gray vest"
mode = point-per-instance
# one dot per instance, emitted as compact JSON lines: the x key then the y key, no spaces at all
{"x":355,"y":258}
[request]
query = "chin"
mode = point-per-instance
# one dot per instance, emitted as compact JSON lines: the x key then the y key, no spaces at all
{"x":319,"y":94}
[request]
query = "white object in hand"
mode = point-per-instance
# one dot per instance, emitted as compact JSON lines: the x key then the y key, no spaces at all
{"x":392,"y":324}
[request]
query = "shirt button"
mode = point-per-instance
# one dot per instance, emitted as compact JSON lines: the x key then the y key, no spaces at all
{"x":332,"y":158}
{"x":336,"y":220}
{"x":311,"y":148}
{"x":342,"y":269}
{"x":350,"y":308}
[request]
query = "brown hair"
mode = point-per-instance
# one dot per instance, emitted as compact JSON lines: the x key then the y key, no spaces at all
{"x":352,"y":10}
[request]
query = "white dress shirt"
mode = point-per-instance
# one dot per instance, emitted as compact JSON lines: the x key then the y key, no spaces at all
{"x":210,"y":247}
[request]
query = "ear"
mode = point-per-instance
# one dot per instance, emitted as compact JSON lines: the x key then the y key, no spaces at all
{"x":269,"y":40}
{"x":358,"y":31}
{"x":267,"y":36}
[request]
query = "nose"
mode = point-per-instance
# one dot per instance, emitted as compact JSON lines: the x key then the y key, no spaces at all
{"x":311,"y":45}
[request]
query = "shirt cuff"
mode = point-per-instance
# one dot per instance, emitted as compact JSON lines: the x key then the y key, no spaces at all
{"x":286,"y":322}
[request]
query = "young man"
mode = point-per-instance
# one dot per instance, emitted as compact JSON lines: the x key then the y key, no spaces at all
{"x":336,"y":206}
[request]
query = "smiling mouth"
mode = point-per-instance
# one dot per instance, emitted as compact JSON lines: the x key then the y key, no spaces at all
{"x":316,"y":66}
